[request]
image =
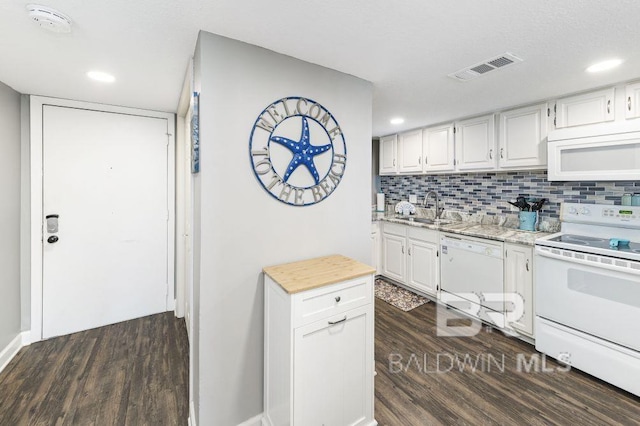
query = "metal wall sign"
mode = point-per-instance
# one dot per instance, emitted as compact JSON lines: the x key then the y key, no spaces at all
{"x":297,"y":150}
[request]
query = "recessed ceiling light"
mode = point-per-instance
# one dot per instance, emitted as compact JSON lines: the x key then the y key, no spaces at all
{"x":604,"y":65}
{"x":100,"y":76}
{"x":397,"y":120}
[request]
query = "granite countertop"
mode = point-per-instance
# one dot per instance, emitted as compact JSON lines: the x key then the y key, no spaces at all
{"x":475,"y":226}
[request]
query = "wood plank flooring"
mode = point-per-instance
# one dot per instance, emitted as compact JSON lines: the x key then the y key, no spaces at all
{"x":408,"y":393}
{"x":132,"y":373}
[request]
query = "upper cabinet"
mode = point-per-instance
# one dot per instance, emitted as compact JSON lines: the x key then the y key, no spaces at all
{"x":632,"y":101}
{"x":410,"y":152}
{"x":388,"y":163}
{"x":588,"y":108}
{"x":523,"y":137}
{"x":476,"y":143}
{"x":438,"y":148}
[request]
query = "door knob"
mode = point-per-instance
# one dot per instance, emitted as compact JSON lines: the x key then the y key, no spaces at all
{"x":52,"y":239}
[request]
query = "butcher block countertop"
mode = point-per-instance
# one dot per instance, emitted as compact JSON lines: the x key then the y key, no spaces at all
{"x":313,"y":273}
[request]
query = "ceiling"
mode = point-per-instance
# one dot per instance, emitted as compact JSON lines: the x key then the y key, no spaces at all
{"x":405,"y":47}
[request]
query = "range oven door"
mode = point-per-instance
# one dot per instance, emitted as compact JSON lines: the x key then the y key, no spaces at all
{"x":594,"y":294}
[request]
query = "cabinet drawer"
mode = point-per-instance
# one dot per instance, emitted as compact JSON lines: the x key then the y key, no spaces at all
{"x":395,"y":229}
{"x":314,"y":305}
{"x":427,"y":235}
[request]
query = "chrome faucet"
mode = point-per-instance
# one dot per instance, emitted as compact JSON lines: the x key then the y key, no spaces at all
{"x":435,"y":195}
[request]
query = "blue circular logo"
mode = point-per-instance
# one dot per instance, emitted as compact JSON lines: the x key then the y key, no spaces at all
{"x":297,"y":150}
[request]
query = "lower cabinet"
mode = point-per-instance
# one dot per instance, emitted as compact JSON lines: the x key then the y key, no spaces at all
{"x":518,"y":281}
{"x":375,"y":246}
{"x":394,"y":242}
{"x":332,"y":370}
{"x":319,"y":363}
{"x":410,"y":256}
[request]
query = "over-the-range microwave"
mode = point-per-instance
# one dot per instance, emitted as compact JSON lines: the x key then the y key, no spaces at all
{"x":609,"y":151}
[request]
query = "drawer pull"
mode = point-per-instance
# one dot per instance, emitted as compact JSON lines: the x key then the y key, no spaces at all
{"x":339,"y":321}
{"x":337,"y":298}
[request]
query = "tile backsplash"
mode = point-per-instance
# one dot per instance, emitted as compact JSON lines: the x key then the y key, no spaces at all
{"x":489,"y":192}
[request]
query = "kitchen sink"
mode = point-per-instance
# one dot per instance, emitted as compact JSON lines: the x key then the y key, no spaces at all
{"x":424,"y":220}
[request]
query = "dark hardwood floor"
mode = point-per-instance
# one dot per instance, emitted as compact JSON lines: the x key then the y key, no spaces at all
{"x":438,"y":386}
{"x":132,"y":373}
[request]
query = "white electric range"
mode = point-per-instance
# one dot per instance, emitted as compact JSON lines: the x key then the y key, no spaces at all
{"x":588,"y":292}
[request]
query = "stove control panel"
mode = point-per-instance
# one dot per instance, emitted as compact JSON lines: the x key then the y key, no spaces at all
{"x":601,"y":214}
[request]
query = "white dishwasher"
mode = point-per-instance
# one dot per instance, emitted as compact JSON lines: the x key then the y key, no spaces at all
{"x":472,"y":269}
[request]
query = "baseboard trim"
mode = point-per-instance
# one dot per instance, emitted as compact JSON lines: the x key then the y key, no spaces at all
{"x":192,"y":414}
{"x":12,"y":349}
{"x":253,"y":421}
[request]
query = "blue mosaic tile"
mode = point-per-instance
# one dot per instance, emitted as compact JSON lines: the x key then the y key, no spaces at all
{"x":489,"y":192}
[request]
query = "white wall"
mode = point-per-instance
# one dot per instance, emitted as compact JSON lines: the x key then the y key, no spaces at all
{"x":242,"y":228}
{"x":9,"y":215}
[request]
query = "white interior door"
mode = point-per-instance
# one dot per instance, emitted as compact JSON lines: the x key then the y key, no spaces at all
{"x":106,"y":176}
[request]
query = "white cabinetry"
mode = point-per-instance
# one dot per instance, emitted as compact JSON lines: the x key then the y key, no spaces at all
{"x":388,"y":163}
{"x":476,"y":143}
{"x":632,"y":101}
{"x":410,"y":152}
{"x":410,"y":256}
{"x":518,"y":274}
{"x":422,"y":260}
{"x":375,"y":246}
{"x":319,"y":362}
{"x":438,"y":148}
{"x":523,"y":137}
{"x":588,"y":108}
{"x":393,"y":251}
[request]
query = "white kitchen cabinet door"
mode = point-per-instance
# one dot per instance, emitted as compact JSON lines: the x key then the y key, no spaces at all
{"x":422,"y":265}
{"x":334,"y":370}
{"x":438,"y":148}
{"x":375,"y":246}
{"x":588,"y":108}
{"x":393,"y":257}
{"x":632,"y":101}
{"x":476,"y":143}
{"x":410,"y":152}
{"x":519,"y":280}
{"x":523,"y":137}
{"x":388,"y":163}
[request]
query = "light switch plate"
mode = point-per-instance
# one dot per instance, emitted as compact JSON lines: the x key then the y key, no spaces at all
{"x":413,"y":199}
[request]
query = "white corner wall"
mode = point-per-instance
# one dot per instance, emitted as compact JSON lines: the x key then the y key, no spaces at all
{"x":240,"y":228}
{"x":9,"y":220}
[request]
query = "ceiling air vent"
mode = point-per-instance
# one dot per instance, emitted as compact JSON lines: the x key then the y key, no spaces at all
{"x":469,"y":73}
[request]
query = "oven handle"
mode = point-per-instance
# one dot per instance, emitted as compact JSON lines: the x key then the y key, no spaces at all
{"x":622,"y":269}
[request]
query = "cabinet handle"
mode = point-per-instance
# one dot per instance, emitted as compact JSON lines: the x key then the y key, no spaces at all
{"x":394,"y":162}
{"x":527,"y":265}
{"x":629,"y":103}
{"x":608,"y":106}
{"x":491,"y":154}
{"x":338,"y":298}
{"x":402,"y":249}
{"x":501,"y":152}
{"x":419,"y":160}
{"x":338,"y":322}
{"x":409,"y":251}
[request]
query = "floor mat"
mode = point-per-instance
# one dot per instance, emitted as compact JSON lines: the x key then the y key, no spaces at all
{"x":397,"y":296}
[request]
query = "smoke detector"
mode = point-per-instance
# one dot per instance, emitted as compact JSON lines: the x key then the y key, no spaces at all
{"x":474,"y":71}
{"x":49,"y":18}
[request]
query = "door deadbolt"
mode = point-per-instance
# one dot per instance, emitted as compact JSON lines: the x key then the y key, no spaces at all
{"x":52,"y":239}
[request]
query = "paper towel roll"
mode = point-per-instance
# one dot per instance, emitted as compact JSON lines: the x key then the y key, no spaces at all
{"x":380,"y":202}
